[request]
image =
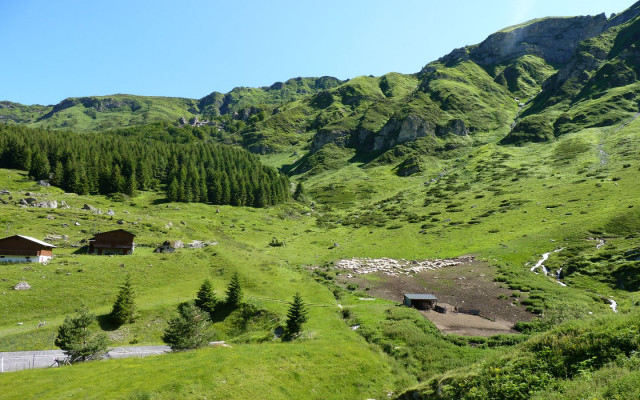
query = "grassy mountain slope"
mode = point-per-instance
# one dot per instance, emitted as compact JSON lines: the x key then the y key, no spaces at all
{"x":98,"y":113}
{"x":506,"y":205}
{"x":241,"y":98}
{"x":539,"y":366}
{"x":101,"y":112}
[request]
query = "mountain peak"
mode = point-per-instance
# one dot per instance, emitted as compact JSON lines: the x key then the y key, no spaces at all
{"x":554,"y":39}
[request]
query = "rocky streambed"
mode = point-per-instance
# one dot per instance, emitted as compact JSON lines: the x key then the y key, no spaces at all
{"x":395,"y":267}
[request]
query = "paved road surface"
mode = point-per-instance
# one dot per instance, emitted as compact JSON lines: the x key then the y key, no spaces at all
{"x":19,"y":360}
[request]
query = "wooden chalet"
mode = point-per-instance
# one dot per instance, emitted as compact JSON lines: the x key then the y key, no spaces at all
{"x":19,"y":248}
{"x":420,"y":301}
{"x":118,"y":242}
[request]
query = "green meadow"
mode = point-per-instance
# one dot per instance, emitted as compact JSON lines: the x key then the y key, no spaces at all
{"x":505,"y":205}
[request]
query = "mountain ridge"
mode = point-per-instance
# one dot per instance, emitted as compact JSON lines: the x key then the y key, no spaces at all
{"x":465,"y":92}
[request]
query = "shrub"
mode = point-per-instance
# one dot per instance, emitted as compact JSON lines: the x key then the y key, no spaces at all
{"x":276,"y":243}
{"x":79,"y":339}
{"x":189,"y":330}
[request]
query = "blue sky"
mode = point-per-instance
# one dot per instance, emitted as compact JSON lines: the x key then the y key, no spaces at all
{"x":63,"y":48}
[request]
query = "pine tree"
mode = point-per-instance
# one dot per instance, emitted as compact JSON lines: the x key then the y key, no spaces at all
{"x":206,"y":297}
{"x":203,"y":189}
{"x":214,"y":188}
{"x":225,"y":191}
{"x":23,"y":157}
{"x":173,"y":190}
{"x":189,"y":330}
{"x":104,"y":180}
{"x":131,"y":185}
{"x":79,"y":339}
{"x":234,"y":292}
{"x":70,"y":179}
{"x":58,"y":174}
{"x":143,"y":175}
{"x":299,"y":194}
{"x":296,"y":316}
{"x":183,"y":192}
{"x":81,"y":185}
{"x":117,"y":181}
{"x":124,"y":308}
{"x":40,"y":167}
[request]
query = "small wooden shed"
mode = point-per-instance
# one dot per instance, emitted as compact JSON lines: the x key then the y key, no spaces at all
{"x":420,"y":301}
{"x":19,"y":248}
{"x":118,"y":242}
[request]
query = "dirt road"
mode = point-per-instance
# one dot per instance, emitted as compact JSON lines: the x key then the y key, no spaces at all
{"x":20,"y":360}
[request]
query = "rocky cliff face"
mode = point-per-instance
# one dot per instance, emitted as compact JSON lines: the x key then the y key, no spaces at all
{"x":325,"y":136}
{"x":394,"y":132}
{"x":402,"y":131}
{"x":553,"y":39}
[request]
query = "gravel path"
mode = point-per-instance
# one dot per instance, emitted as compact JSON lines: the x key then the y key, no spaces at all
{"x":20,"y":360}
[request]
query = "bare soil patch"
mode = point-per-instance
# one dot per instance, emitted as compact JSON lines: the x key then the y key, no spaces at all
{"x":463,"y":282}
{"x":468,"y":325}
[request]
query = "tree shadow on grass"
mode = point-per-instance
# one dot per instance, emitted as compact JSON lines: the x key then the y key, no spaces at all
{"x":157,"y":202}
{"x":106,"y":323}
{"x":221,"y":312}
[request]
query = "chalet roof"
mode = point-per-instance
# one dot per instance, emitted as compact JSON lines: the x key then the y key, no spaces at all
{"x":115,"y":230}
{"x":29,"y":238}
{"x":414,"y":296}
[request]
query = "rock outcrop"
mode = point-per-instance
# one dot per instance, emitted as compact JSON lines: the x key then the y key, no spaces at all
{"x":453,"y":127}
{"x":400,"y":131}
{"x":89,"y":208}
{"x":324,"y":136}
{"x":553,"y":39}
{"x":33,"y":202}
{"x":45,"y":204}
{"x":22,"y":286}
{"x":169,"y":246}
{"x":397,"y":131}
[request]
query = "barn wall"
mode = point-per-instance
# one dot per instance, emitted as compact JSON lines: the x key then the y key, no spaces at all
{"x":24,"y":259}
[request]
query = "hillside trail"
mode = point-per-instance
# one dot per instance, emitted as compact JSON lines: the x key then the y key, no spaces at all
{"x":604,"y":157}
{"x":624,"y":124}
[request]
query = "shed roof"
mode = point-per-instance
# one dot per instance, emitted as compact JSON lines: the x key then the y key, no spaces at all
{"x":414,"y":296}
{"x":97,"y":235}
{"x":29,"y":238}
